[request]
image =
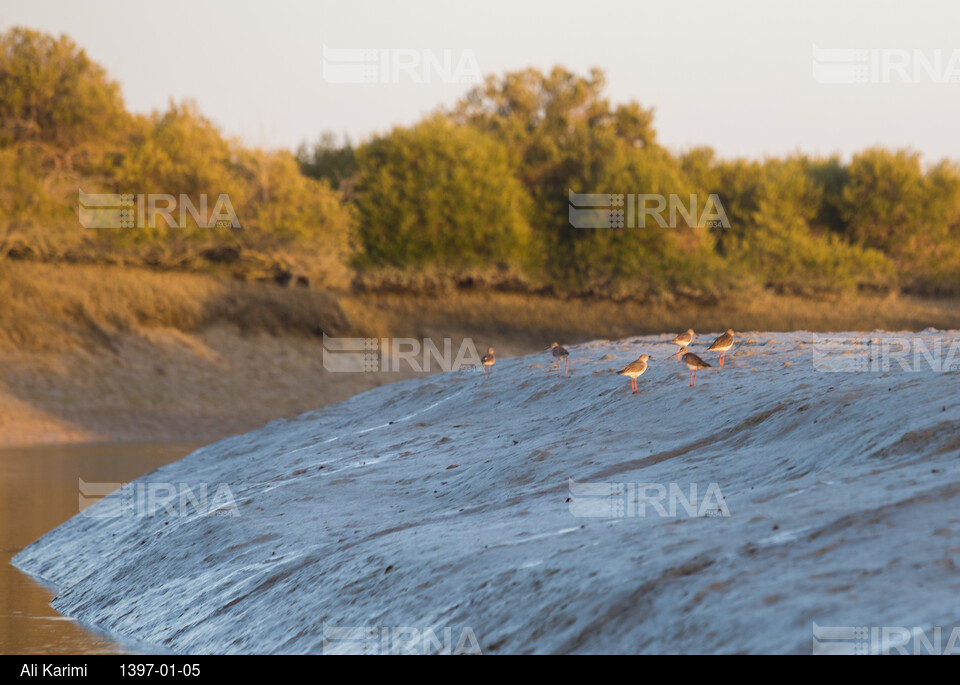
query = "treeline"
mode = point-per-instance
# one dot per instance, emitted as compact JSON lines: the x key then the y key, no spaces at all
{"x":64,"y":128}
{"x":487,"y":182}
{"x":473,"y":196}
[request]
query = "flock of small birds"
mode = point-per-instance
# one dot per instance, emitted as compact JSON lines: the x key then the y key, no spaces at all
{"x":635,"y":369}
{"x":721,"y":346}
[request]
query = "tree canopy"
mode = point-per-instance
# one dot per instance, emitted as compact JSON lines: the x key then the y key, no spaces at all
{"x":484,"y":184}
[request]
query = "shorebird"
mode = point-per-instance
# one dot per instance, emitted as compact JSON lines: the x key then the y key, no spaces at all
{"x":634,"y":370}
{"x":559,"y":352}
{"x":683,"y":340}
{"x":488,"y":360}
{"x":722,"y":344}
{"x":694,"y":363}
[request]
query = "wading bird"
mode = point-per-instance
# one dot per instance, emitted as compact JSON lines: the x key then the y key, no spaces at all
{"x":722,"y":344}
{"x":694,"y":363}
{"x":488,"y":360}
{"x":683,"y":340}
{"x":634,"y":370}
{"x":559,"y":352}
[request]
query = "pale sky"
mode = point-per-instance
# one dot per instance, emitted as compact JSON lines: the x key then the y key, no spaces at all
{"x":738,"y":76}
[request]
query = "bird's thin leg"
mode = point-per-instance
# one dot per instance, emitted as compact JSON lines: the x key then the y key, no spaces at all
{"x":566,"y":365}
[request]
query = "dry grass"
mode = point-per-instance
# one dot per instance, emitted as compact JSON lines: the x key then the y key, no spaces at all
{"x":45,"y":307}
{"x":531,"y":321}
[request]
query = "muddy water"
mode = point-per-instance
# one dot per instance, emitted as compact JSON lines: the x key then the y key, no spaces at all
{"x":39,"y":491}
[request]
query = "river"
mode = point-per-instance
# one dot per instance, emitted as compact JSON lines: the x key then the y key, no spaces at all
{"x":39,"y":490}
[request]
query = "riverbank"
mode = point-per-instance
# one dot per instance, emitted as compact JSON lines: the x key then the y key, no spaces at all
{"x":92,"y":353}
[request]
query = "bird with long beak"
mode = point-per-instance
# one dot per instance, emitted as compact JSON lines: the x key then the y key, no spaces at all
{"x":559,"y":352}
{"x":722,"y":344}
{"x":488,"y":360}
{"x":683,"y":340}
{"x":694,"y":363}
{"x":634,"y":370}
